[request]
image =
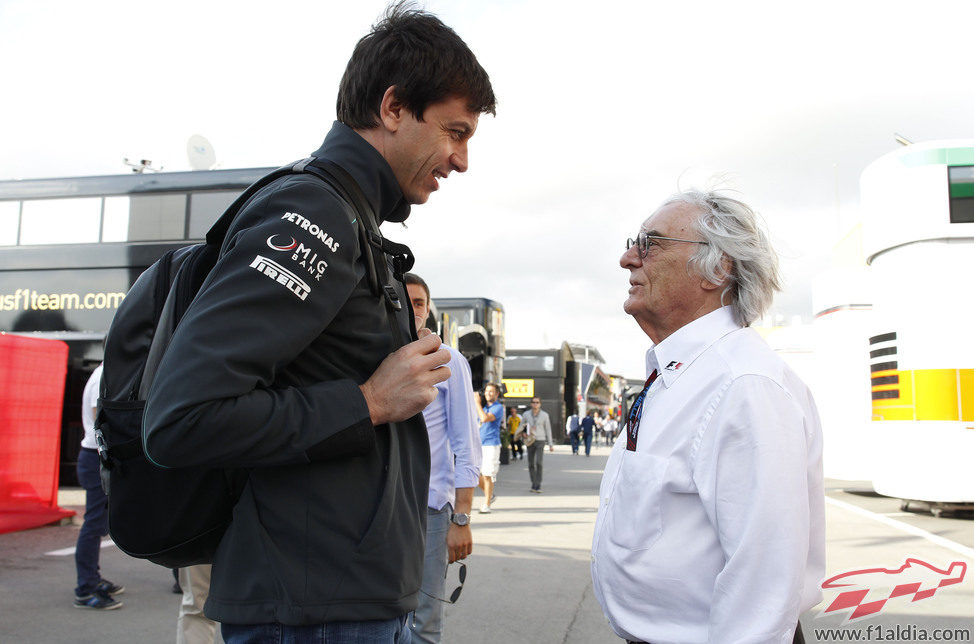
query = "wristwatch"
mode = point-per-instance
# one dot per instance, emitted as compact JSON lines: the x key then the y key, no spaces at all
{"x":460,"y":519}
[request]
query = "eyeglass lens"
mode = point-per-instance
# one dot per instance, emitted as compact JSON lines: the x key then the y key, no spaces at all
{"x":455,"y":595}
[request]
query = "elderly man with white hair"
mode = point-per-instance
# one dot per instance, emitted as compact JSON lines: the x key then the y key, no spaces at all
{"x":711,"y":520}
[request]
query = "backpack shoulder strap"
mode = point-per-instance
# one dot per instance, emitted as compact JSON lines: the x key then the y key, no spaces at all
{"x":339,"y":179}
{"x":373,"y":245}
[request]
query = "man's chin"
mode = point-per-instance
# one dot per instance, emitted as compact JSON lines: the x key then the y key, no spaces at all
{"x":419,"y":195}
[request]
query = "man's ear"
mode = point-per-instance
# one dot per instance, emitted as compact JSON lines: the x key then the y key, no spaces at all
{"x":727,"y":268}
{"x":707,"y":285}
{"x":391,"y":110}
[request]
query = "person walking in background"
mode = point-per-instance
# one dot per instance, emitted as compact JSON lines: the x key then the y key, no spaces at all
{"x":491,"y":415}
{"x":574,"y":428}
{"x":712,"y":521}
{"x":454,"y":471}
{"x":588,"y":426}
{"x":192,"y":626}
{"x":611,"y":427}
{"x":93,"y":591}
{"x":537,"y":432}
{"x":513,"y":423}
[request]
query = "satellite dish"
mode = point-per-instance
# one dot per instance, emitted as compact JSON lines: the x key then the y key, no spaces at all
{"x":200,"y":153}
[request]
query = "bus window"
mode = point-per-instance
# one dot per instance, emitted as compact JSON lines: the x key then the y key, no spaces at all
{"x":144,"y":217}
{"x":526,"y":364}
{"x":9,"y":217}
{"x":961,"y":186}
{"x":115,"y":224}
{"x":463,"y":317}
{"x":60,"y":221}
{"x":205,"y":208}
{"x":154,"y":217}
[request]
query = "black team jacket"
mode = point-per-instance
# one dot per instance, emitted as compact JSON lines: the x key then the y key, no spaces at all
{"x":263,"y":373}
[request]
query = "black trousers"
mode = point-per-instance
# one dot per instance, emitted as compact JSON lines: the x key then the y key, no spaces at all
{"x":799,"y":638}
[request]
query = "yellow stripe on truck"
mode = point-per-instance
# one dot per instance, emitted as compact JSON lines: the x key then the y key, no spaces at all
{"x":926,"y":394}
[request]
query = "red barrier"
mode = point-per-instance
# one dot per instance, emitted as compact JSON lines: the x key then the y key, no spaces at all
{"x":32,"y":372}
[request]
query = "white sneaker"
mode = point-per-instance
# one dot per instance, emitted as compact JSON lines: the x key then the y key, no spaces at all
{"x":485,"y":509}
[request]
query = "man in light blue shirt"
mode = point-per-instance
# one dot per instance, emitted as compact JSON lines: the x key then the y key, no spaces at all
{"x":491,"y":416}
{"x":454,"y":470}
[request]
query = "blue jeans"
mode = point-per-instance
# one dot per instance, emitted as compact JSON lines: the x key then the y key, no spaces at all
{"x":587,"y":437}
{"x":95,"y":526}
{"x":427,"y":621}
{"x":573,"y":435}
{"x":388,"y":631}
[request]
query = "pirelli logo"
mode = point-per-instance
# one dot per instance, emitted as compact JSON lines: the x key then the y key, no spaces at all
{"x":282,"y":276}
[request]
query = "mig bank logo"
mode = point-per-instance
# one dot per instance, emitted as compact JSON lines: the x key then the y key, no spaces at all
{"x":289,"y":243}
{"x":282,"y":276}
{"x":866,"y":592}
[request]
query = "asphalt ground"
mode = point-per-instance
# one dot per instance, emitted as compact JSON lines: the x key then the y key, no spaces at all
{"x":528,"y":579}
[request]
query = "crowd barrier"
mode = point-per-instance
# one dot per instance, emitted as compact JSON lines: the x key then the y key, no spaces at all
{"x":32,"y":376}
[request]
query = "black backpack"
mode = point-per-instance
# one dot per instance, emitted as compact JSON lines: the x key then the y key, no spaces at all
{"x":177,"y":517}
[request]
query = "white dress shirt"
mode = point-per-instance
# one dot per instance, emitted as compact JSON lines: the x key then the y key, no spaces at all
{"x":453,"y":432}
{"x":713,"y":530}
{"x":89,"y":400}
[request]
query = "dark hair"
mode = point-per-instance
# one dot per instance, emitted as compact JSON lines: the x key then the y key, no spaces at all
{"x":494,"y":385}
{"x":425,"y":60}
{"x":413,"y":278}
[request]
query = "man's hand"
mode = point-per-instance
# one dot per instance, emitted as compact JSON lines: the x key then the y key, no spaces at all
{"x":403,"y":385}
{"x":459,"y":539}
{"x":459,"y":542}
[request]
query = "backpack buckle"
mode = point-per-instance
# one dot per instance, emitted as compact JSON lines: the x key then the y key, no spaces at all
{"x":392,"y":297}
{"x":102,"y":447}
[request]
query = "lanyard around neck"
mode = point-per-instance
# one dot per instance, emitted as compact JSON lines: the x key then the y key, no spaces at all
{"x":636,"y":413}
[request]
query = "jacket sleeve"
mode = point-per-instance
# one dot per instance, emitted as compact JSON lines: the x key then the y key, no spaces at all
{"x":289,"y":264}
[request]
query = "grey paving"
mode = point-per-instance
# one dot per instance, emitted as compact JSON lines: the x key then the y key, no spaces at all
{"x":528,"y":580}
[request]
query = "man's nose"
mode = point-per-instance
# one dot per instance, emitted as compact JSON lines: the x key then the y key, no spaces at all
{"x":630,"y":258}
{"x":459,"y":158}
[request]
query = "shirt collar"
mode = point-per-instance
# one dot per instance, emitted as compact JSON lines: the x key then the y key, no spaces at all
{"x":371,"y":171}
{"x":676,"y":353}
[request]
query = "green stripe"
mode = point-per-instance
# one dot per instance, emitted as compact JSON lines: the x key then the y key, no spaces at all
{"x":961,"y":190}
{"x":938,"y":156}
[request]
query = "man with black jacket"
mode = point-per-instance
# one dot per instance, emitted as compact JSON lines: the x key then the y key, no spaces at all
{"x":285,"y":364}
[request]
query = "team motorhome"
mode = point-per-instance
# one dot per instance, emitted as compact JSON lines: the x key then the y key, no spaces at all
{"x":897,"y":385}
{"x":71,"y":248}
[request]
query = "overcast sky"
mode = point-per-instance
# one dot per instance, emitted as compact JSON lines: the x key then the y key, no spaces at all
{"x":605,"y":108}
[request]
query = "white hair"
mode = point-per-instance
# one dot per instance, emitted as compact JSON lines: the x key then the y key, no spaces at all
{"x":732,"y":232}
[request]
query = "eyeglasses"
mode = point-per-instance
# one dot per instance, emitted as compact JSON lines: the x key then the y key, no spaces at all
{"x":644,"y":241}
{"x":455,"y":595}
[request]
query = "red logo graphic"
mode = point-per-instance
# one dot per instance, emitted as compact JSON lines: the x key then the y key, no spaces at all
{"x":914,"y":577}
{"x":282,"y":247}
